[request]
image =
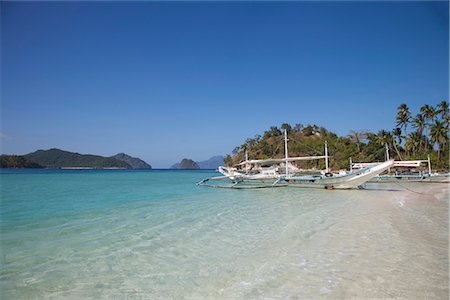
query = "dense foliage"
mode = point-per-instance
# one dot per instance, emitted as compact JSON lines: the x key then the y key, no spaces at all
{"x":413,"y":138}
{"x":55,"y":158}
{"x":17,"y":161}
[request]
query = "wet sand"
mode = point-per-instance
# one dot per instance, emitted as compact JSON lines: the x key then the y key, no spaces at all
{"x":416,"y":219}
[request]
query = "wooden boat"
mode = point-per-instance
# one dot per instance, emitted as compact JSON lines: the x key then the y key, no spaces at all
{"x":406,"y":171}
{"x":270,"y":174}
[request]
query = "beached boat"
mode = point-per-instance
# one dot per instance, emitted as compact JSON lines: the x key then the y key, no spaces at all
{"x":280,"y":172}
{"x":340,"y":181}
{"x":405,"y":171}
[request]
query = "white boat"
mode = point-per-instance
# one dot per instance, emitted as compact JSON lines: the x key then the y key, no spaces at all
{"x":411,"y":172}
{"x":269,"y":174}
{"x":420,"y":177}
{"x":343,"y":181}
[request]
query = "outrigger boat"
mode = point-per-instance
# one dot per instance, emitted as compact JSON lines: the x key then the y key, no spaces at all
{"x":405,"y":171}
{"x":270,"y":173}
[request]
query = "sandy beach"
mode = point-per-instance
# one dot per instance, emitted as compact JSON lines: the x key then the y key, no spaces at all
{"x":397,"y":246}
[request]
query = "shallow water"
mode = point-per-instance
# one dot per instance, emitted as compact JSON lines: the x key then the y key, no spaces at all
{"x":155,"y":234}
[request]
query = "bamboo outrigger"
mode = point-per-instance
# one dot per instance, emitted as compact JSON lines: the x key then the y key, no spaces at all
{"x":413,"y":172}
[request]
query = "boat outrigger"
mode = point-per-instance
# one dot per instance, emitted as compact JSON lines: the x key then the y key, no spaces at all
{"x":280,"y":172}
{"x":405,"y":171}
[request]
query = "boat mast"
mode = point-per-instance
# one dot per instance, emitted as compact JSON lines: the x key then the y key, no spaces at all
{"x":429,"y":165}
{"x":326,"y":157}
{"x":351,"y":165}
{"x":286,"y":150}
{"x":246,"y":159}
{"x":387,"y":151}
{"x":387,"y":155}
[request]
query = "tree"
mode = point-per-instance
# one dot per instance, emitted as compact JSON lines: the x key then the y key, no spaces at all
{"x":428,"y":114}
{"x":228,"y":160}
{"x":310,"y":130}
{"x":383,"y":137}
{"x":273,"y":131}
{"x":414,"y":142}
{"x":298,"y":127}
{"x":444,"y":111}
{"x":398,"y":133}
{"x":286,"y":126}
{"x":419,"y":123}
{"x":439,"y":135}
{"x":358,"y":137}
{"x":403,"y":116}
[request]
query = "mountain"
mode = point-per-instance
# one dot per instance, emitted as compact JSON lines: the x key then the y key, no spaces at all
{"x":186,"y":164}
{"x":56,"y":158}
{"x":212,"y":163}
{"x":134,"y":162}
{"x":17,"y":161}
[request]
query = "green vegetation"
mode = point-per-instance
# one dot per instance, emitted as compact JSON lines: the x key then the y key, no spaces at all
{"x":361,"y":146}
{"x":186,"y":164}
{"x":55,"y":158}
{"x":17,"y":161}
{"x":134,"y":162}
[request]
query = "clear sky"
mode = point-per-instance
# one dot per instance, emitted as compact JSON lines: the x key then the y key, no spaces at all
{"x":164,"y":81}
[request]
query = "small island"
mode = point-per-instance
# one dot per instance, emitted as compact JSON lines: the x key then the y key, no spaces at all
{"x":186,"y":164}
{"x":60,"y":159}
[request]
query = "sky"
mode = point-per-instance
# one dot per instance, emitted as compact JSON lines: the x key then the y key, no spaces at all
{"x":169,"y":80}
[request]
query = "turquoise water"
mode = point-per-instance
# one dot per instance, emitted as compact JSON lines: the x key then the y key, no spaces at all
{"x":155,"y":234}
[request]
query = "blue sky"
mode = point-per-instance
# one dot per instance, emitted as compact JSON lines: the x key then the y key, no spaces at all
{"x":164,"y":81}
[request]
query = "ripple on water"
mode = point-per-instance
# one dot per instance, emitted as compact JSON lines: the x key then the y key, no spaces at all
{"x":139,"y":235}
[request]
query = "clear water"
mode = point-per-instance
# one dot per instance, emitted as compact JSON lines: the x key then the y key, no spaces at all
{"x":155,"y":234}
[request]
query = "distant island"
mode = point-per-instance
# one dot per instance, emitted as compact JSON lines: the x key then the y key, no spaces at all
{"x":212,"y":163}
{"x":134,"y":162}
{"x":17,"y":161}
{"x":186,"y":164}
{"x":56,"y":158}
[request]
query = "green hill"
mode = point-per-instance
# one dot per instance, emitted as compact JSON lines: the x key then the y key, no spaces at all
{"x":56,"y":158}
{"x":134,"y":162}
{"x":186,"y":164}
{"x":17,"y":161}
{"x":361,"y":146}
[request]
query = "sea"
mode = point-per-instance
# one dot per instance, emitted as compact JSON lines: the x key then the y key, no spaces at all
{"x":155,"y":234}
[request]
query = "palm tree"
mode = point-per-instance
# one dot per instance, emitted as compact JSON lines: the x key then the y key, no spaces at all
{"x":398,"y":133}
{"x":442,"y":108}
{"x":384,"y":137}
{"x":357,"y":137}
{"x":439,"y":135}
{"x":428,"y":114}
{"x":419,"y":123}
{"x":414,"y":141}
{"x":403,"y":116}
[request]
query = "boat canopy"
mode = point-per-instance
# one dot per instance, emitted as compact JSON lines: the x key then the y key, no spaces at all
{"x":273,"y":161}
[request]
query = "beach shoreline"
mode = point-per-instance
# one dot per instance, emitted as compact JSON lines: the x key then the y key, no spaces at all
{"x":391,"y":243}
{"x":416,"y":219}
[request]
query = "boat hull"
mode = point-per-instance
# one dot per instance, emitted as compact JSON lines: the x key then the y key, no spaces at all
{"x":348,"y":181}
{"x":434,"y":178}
